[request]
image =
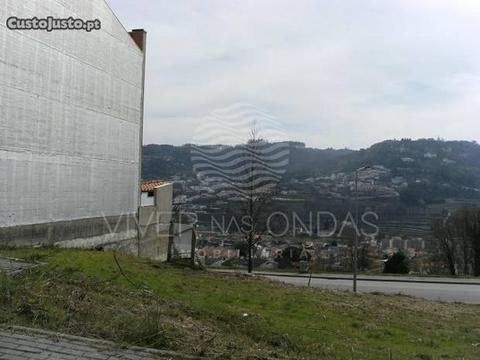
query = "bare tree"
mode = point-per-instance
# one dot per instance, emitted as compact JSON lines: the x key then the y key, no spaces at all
{"x":458,"y":237}
{"x":461,"y":225}
{"x":444,"y":233}
{"x":472,"y":225}
{"x":246,"y":176}
{"x":258,"y":195}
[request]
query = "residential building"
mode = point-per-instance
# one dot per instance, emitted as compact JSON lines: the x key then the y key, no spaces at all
{"x":155,"y":221}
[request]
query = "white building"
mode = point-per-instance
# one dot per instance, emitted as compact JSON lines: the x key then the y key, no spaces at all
{"x":71,"y":109}
{"x":155,"y":222}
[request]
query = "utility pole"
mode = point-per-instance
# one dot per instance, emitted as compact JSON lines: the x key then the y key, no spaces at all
{"x":355,"y":236}
{"x":355,"y":230}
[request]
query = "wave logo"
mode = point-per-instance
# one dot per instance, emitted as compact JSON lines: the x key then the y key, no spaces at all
{"x":240,"y":152}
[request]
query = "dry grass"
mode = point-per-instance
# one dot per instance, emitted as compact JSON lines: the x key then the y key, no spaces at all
{"x":228,"y":316}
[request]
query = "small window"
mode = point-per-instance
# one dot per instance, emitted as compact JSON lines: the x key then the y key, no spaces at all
{"x":151,"y":193}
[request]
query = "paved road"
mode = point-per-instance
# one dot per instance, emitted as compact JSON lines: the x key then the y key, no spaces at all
{"x":31,"y":344}
{"x":432,"y":288}
{"x":438,"y":289}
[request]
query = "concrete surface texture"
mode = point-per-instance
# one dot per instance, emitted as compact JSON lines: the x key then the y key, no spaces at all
{"x":30,"y":344}
{"x":70,"y":118}
{"x":83,"y":233}
{"x":154,"y":224}
{"x":13,"y":266}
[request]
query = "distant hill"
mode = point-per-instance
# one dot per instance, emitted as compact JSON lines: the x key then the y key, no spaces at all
{"x":166,"y":161}
{"x":434,"y":169}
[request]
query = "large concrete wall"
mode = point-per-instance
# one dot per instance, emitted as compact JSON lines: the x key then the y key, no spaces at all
{"x":70,"y":116}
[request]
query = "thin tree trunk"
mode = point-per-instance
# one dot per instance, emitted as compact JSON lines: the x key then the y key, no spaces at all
{"x":250,"y":260}
{"x":465,"y":258}
{"x":193,"y":246}
{"x":450,"y":254}
{"x":171,"y":237}
{"x":476,"y":261}
{"x":451,"y":266}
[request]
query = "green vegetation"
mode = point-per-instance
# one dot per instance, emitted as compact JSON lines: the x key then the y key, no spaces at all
{"x":397,"y":264}
{"x":438,"y":170}
{"x":227,"y":316}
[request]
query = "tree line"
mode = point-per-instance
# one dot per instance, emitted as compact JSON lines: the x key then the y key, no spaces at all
{"x":458,"y":241}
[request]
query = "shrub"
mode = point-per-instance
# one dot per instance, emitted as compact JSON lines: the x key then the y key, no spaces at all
{"x":397,"y":264}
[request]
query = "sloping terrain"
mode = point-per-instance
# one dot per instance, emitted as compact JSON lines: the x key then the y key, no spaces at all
{"x":141,"y":302}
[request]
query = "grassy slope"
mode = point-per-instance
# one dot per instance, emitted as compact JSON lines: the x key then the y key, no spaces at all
{"x":83,"y":293}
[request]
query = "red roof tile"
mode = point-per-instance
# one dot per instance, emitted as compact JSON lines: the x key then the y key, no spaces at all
{"x":152,"y":184}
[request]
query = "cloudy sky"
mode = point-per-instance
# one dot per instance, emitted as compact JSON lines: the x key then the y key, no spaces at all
{"x":344,"y":73}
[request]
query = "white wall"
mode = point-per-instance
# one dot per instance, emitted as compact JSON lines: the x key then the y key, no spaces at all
{"x":155,"y":224}
{"x":164,"y":202}
{"x":147,"y":200}
{"x":70,"y":110}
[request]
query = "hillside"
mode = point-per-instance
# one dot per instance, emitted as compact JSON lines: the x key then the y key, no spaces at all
{"x":166,"y":161}
{"x":434,"y":170}
{"x":140,"y":302}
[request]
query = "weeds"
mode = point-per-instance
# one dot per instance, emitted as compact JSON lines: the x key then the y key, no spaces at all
{"x":226,"y":317}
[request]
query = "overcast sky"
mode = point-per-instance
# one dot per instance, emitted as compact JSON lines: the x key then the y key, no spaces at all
{"x":344,"y":73}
